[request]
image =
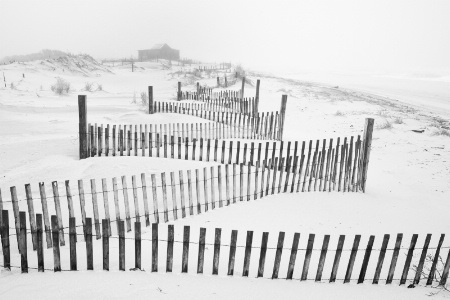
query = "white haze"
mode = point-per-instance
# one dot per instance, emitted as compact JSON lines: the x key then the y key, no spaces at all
{"x":395,"y":36}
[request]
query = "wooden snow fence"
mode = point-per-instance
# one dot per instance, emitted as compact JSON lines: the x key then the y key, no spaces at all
{"x":243,"y":174}
{"x":187,"y":252}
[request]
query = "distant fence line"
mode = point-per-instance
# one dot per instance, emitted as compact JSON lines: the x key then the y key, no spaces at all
{"x":233,"y":254}
{"x":205,"y":91}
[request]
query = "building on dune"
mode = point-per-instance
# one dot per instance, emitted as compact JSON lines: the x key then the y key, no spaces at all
{"x":159,"y":51}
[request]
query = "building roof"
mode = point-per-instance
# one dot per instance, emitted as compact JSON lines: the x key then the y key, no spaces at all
{"x":157,"y":47}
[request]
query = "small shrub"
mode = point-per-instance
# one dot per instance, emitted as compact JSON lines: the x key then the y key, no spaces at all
{"x":61,"y":86}
{"x":144,"y":99}
{"x":397,"y":120}
{"x":442,"y":131}
{"x":88,"y":86}
{"x":385,"y":125}
{"x":339,"y":113}
{"x":99,"y":87}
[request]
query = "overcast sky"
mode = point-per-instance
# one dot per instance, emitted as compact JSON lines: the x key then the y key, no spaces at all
{"x":368,"y":35}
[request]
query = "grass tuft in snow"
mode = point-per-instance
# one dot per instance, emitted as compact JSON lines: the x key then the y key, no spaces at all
{"x":61,"y":86}
{"x":441,"y":131}
{"x":385,"y":125}
{"x":339,"y":113}
{"x":88,"y":86}
{"x":397,"y":120}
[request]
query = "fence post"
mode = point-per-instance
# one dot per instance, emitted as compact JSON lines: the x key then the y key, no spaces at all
{"x":5,"y":240}
{"x":242,"y":89}
{"x":82,"y":129}
{"x":150,"y":100}
{"x":23,"y":242}
{"x":257,"y":98}
{"x":105,"y":228}
{"x":40,"y":245}
{"x":56,"y":252}
{"x":282,"y":117}
{"x":185,"y":260}
{"x":72,"y":242}
{"x":365,"y":155}
{"x":179,"y":91}
{"x":137,"y":245}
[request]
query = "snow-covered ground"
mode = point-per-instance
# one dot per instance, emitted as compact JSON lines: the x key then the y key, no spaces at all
{"x":407,"y":190}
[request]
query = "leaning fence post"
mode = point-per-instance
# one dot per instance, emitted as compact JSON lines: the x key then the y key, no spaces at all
{"x":150,"y":100}
{"x":365,"y":155}
{"x":82,"y":129}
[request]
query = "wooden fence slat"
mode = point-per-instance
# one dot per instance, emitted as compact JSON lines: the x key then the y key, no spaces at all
{"x":170,"y":241}
{"x":205,"y":187}
{"x":293,"y":256}
{"x":135,"y":198}
{"x":185,"y":257}
{"x":435,"y":260}
{"x":337,"y":258}
{"x":164,"y":191}
{"x":323,"y":255}
{"x":31,"y":215}
{"x":191,"y":205}
{"x":47,"y":226}
{"x":121,"y":245}
{"x":276,"y":265}
{"x":308,"y":253}
{"x":155,"y":247}
{"x":376,"y":277}
{"x":262,"y":255}
{"x":408,"y":259}
{"x":95,"y":209}
{"x":58,"y":212}
{"x":23,"y":242}
{"x":232,"y":255}
{"x":367,"y":253}
{"x":351,"y":262}
{"x":155,"y":198}
{"x":197,"y":190}
{"x":174,"y":195}
{"x":105,"y":243}
{"x":137,"y":245}
{"x":89,"y":250}
{"x":248,"y":252}
{"x":55,"y":240}
{"x":183,"y":208}
{"x":422,"y":259}
{"x":106,"y":202}
{"x":127,"y":204}
{"x":398,"y":243}
{"x":73,"y":244}
{"x":145,"y":197}
{"x":40,"y":244}
{"x":218,"y":233}
{"x":213,"y":189}
{"x":201,"y":251}
{"x":445,"y":271}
